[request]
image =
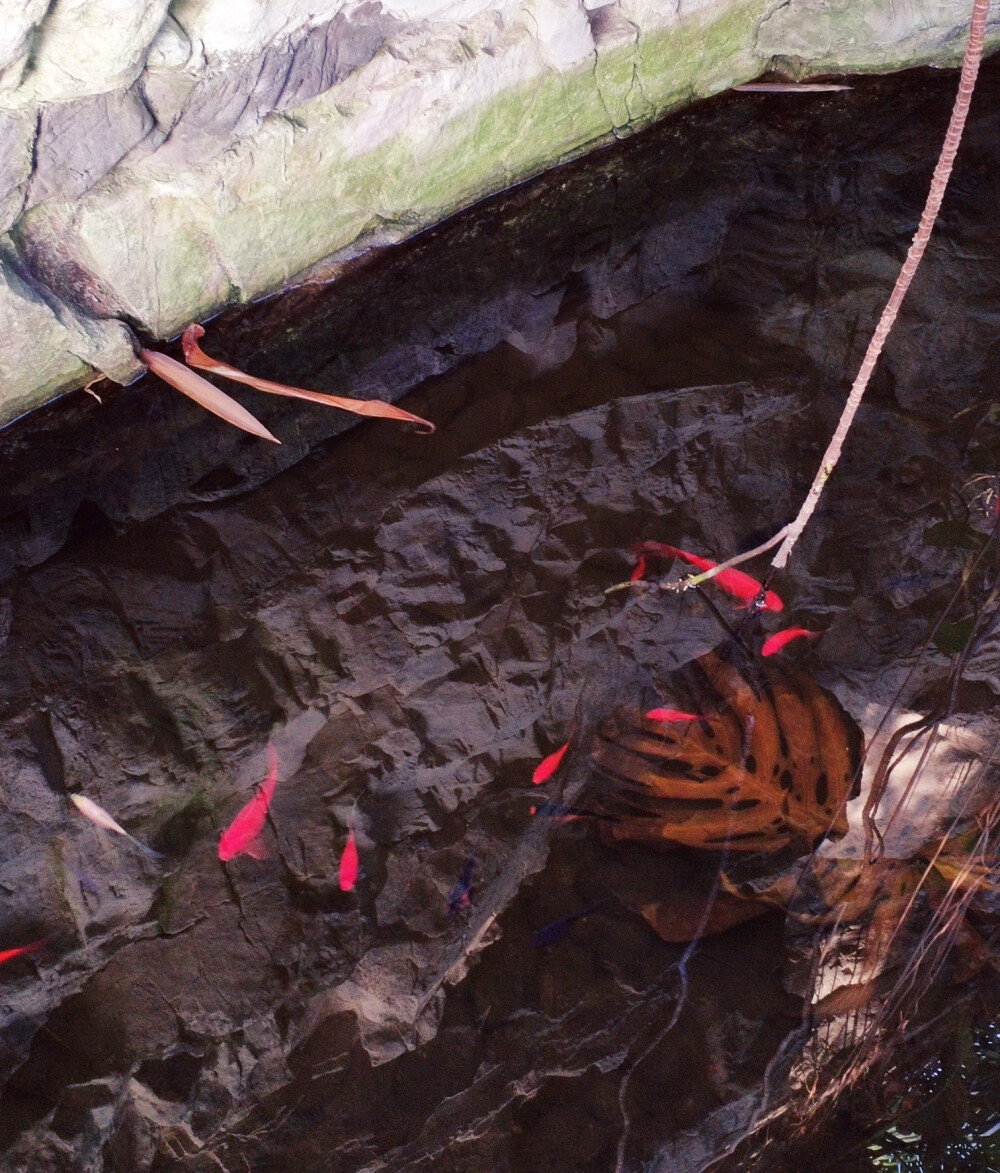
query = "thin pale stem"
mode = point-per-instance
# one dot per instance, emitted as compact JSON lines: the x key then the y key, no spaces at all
{"x":693,"y":580}
{"x":939,"y":182}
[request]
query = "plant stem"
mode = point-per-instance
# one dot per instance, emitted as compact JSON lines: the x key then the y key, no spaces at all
{"x":939,"y":182}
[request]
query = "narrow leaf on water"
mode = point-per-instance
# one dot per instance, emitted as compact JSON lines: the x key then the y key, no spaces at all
{"x":194,"y":356}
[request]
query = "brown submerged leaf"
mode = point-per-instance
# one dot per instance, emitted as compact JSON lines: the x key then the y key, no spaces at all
{"x":850,"y":998}
{"x":772,"y":767}
{"x":686,"y":917}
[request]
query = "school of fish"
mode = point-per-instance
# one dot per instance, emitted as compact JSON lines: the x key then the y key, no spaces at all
{"x":244,"y":834}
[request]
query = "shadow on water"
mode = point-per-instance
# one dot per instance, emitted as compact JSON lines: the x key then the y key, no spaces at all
{"x":650,"y":344}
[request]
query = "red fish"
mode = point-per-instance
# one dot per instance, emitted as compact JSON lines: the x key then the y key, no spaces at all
{"x":10,"y":954}
{"x":741,"y":585}
{"x":242,"y":836}
{"x":548,"y":766}
{"x":559,"y":812}
{"x":348,"y":871}
{"x":673,"y":715}
{"x":774,"y":643}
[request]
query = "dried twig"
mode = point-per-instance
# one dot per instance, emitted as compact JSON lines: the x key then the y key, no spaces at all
{"x":788,"y":87}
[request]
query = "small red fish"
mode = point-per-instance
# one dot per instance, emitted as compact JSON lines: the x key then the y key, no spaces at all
{"x":10,"y":954}
{"x":741,"y":585}
{"x":548,"y":766}
{"x":639,"y":570}
{"x":673,"y":715}
{"x":347,"y":873}
{"x":242,"y":836}
{"x":774,"y":643}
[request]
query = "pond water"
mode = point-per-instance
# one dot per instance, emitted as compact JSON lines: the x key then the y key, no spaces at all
{"x":651,"y":344}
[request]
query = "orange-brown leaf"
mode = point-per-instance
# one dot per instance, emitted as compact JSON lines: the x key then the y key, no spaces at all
{"x":204,"y":394}
{"x":683,"y":917}
{"x":194,"y":356}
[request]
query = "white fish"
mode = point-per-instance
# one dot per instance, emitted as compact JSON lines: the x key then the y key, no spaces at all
{"x":97,"y":814}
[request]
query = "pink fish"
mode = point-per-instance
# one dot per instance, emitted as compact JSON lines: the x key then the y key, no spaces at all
{"x":9,"y":954}
{"x":548,"y":766}
{"x":741,"y":585}
{"x":774,"y":643}
{"x":347,"y":873}
{"x":666,"y":715}
{"x":242,"y":836}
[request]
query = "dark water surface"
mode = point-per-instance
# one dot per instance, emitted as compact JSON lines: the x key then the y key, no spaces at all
{"x":652,"y":344}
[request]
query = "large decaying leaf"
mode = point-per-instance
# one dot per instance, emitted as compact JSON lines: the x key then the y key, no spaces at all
{"x":687,"y":917}
{"x":770,"y":765}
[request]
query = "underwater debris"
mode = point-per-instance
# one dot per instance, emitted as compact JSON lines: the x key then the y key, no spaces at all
{"x":194,"y":356}
{"x":789,"y":87}
{"x":204,"y":393}
{"x":773,"y":767}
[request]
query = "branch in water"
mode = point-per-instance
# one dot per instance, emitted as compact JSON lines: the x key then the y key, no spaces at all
{"x":194,"y":356}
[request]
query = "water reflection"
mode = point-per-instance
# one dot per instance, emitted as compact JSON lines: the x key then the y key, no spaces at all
{"x":416,"y":621}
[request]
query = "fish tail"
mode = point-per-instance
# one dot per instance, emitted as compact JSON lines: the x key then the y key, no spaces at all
{"x":145,"y":849}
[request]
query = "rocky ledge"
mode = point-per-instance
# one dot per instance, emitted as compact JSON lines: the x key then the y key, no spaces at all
{"x":159,"y":161}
